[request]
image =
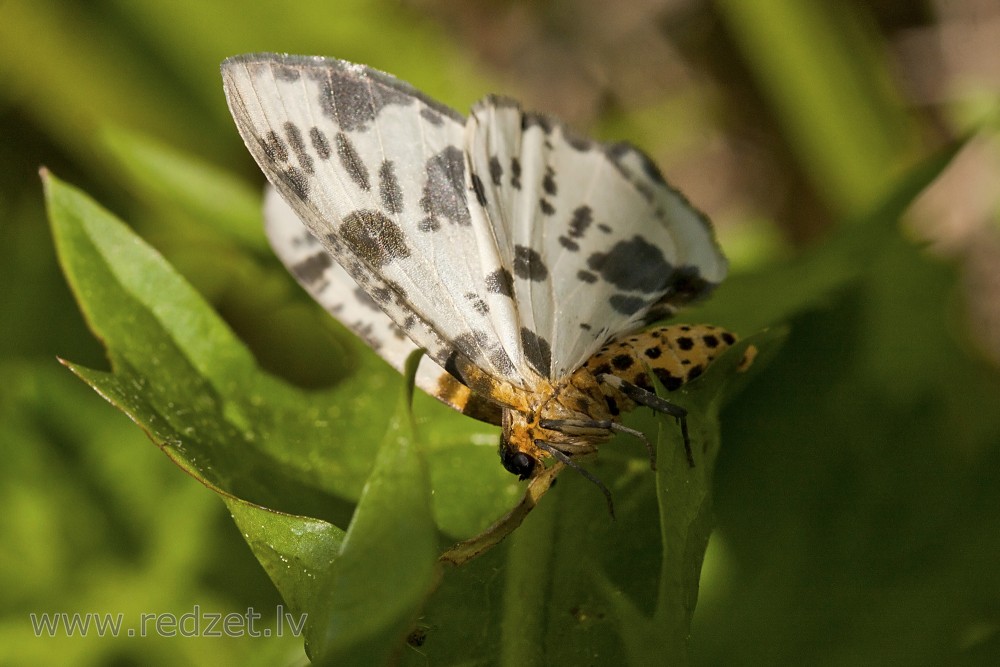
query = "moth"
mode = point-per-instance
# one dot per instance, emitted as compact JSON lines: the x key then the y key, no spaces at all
{"x":522,"y":257}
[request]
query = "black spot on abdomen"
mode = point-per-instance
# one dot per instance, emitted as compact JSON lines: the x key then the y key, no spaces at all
{"x":622,"y":362}
{"x":669,"y":381}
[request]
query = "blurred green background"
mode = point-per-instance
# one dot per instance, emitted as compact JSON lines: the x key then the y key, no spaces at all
{"x":858,"y":491}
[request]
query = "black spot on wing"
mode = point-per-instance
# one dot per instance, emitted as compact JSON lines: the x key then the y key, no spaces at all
{"x":311,"y":269}
{"x":502,"y":362}
{"x":295,"y":179}
{"x":431,"y":116}
{"x":294,"y":136}
{"x":373,"y":237}
{"x":649,"y":168}
{"x":274,"y":147}
{"x":586,"y":276}
{"x":515,"y":173}
{"x":366,"y":299}
{"x":583,"y":216}
{"x":528,"y":264}
{"x":352,"y":95}
{"x":444,"y":189}
{"x":284,"y":72}
{"x":479,"y":189}
{"x":388,"y":188}
{"x":578,"y":142}
{"x":365,"y":331}
{"x":496,"y":171}
{"x":536,"y":351}
{"x":635,"y":265}
{"x":604,"y":228}
{"x":350,"y":99}
{"x":319,"y":143}
{"x":478,"y":304}
{"x":569,"y":243}
{"x":476,"y":345}
{"x":500,"y":282}
{"x":549,"y":182}
{"x":686,"y":284}
{"x":625,"y":304}
{"x":530,"y":119}
{"x":351,"y":162}
{"x":546,"y":206}
{"x":387,"y":293}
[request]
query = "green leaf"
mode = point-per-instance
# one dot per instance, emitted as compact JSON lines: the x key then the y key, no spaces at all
{"x":295,"y":551}
{"x":388,"y":560}
{"x":684,"y":498}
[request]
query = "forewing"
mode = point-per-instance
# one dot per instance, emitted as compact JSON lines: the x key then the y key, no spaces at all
{"x":596,"y":242}
{"x":331,"y":286}
{"x":376,"y":171}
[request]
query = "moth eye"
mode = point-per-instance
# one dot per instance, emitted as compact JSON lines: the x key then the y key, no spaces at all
{"x":516,"y":463}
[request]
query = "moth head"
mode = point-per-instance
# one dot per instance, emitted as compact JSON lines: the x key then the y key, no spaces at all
{"x":515,"y":461}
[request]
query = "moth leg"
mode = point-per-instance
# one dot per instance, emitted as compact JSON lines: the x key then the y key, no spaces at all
{"x":651,"y":400}
{"x":564,"y":458}
{"x":598,"y":427}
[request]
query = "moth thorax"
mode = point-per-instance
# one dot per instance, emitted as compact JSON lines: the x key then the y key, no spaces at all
{"x":578,"y":399}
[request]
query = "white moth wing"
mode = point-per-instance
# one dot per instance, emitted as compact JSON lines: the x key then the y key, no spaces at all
{"x":376,"y":172}
{"x":337,"y":292}
{"x":597,"y":243}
